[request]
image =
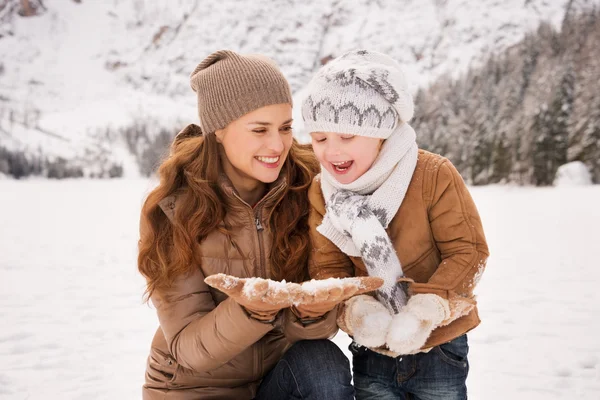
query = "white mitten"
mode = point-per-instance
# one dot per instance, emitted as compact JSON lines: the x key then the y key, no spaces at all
{"x":411,"y":327}
{"x":429,"y":307}
{"x":366,"y":319}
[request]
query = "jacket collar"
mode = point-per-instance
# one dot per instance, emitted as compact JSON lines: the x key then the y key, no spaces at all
{"x":233,"y":202}
{"x":264,"y":207}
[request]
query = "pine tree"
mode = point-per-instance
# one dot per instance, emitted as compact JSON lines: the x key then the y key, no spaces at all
{"x":590,"y":143}
{"x":559,"y":113}
{"x":542,"y":149}
{"x":530,"y":54}
{"x":501,"y":160}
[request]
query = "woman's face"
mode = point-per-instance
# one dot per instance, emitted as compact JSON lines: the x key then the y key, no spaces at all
{"x":257,"y":144}
{"x":346,"y":157}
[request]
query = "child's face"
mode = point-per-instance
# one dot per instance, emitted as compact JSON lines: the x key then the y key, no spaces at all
{"x":345,"y":156}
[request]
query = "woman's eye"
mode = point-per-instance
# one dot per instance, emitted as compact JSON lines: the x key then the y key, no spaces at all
{"x":259,"y":130}
{"x":287,"y":129}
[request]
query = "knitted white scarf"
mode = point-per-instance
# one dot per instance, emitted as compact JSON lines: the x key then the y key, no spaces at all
{"x":385,"y":182}
{"x":359,"y":212}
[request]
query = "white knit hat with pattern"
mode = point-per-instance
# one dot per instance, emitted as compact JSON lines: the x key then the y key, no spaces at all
{"x":361,"y":92}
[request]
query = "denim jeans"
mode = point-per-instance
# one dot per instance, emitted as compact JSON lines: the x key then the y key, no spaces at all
{"x":440,"y":374}
{"x":309,"y":370}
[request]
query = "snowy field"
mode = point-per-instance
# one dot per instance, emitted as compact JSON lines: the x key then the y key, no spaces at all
{"x":73,"y":325}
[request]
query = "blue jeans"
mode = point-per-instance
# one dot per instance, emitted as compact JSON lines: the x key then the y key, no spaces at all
{"x":440,"y":374}
{"x":310,"y":369}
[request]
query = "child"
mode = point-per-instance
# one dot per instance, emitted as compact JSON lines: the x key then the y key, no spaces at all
{"x":382,"y":207}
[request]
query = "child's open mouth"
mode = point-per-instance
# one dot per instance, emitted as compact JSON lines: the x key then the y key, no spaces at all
{"x":341,"y":167}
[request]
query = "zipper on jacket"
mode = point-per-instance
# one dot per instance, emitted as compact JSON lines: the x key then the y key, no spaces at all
{"x":259,"y":226}
{"x":261,"y":249}
{"x":262,"y":272}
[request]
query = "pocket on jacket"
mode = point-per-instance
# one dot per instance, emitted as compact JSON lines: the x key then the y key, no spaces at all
{"x":455,"y":352}
{"x":161,"y":367}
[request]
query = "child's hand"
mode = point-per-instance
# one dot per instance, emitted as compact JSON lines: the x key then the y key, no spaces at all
{"x":411,"y":327}
{"x":366,"y":320}
{"x":262,"y":298}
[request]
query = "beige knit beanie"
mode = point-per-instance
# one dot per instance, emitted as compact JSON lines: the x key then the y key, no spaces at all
{"x":230,"y":85}
{"x":361,"y":92}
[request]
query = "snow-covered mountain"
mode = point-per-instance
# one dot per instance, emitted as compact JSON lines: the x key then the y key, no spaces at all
{"x":78,"y":73}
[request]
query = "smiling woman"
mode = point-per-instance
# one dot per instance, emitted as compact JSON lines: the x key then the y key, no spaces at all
{"x":231,"y":207}
{"x":256,"y":147}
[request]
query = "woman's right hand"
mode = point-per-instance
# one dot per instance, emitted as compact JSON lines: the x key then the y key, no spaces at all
{"x":262,"y":298}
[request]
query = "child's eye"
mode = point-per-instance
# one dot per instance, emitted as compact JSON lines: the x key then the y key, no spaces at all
{"x":347,"y":137}
{"x":320,"y":140}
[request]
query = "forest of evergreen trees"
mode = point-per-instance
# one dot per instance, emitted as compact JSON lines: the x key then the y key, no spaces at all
{"x":517,"y":118}
{"x":523,"y":114}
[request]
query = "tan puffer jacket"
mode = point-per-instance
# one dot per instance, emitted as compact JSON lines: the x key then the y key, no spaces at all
{"x":207,"y":347}
{"x":437,"y":234}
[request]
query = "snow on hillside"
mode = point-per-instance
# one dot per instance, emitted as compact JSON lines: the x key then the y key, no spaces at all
{"x":80,"y":68}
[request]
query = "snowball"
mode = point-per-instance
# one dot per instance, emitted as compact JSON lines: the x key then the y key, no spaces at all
{"x":573,"y":174}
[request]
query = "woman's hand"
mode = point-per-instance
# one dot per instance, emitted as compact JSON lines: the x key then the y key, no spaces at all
{"x":318,"y":297}
{"x":262,"y":298}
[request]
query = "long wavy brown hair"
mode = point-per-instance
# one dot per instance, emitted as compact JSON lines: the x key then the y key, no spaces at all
{"x":166,"y":248}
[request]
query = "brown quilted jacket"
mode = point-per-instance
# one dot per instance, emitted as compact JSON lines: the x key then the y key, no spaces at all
{"x":207,"y":347}
{"x":437,"y":234}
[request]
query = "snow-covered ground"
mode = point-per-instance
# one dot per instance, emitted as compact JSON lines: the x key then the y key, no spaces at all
{"x":73,"y":325}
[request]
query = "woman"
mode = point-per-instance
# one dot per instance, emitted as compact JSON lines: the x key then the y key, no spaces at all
{"x":232,"y":199}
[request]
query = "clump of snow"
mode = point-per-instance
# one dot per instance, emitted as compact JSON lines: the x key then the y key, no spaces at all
{"x":278,"y":286}
{"x":259,"y":286}
{"x":313,"y":285}
{"x":478,"y":274}
{"x":228,"y":282}
{"x":254,"y":287}
{"x":573,"y":174}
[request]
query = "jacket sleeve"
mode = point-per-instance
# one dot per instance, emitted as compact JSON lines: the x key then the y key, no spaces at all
{"x":200,"y":335}
{"x":325,"y":328}
{"x":458,"y":234}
